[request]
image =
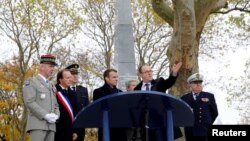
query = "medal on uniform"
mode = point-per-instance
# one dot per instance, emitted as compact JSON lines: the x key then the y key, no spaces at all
{"x":42,"y":96}
{"x":204,"y":99}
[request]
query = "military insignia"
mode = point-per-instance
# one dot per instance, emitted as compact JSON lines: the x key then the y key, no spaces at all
{"x":204,"y":99}
{"x":42,"y":87}
{"x":198,"y":76}
{"x":27,"y":83}
{"x":42,"y":96}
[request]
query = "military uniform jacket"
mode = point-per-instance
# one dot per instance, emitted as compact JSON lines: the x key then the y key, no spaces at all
{"x":82,"y":97}
{"x":116,"y":134}
{"x":82,"y":100}
{"x":39,"y":98}
{"x":205,"y":112}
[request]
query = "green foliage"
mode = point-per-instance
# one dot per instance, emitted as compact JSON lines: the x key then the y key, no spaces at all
{"x":240,"y":10}
{"x":240,"y":20}
{"x":239,"y":93}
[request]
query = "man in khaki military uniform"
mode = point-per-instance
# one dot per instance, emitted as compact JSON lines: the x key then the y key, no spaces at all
{"x":39,"y":97}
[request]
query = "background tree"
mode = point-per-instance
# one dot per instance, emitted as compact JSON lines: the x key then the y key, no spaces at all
{"x":152,"y":38}
{"x":239,"y":93}
{"x":99,"y":27}
{"x":151,"y":35}
{"x":187,"y":18}
{"x":36,"y":26}
{"x":10,"y":108}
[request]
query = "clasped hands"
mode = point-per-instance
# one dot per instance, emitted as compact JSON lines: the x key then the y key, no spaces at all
{"x":51,"y":117}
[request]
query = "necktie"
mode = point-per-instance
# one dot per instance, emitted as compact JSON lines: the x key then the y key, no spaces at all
{"x":196,"y":96}
{"x":65,"y":91}
{"x":74,"y":89}
{"x":147,"y":86}
{"x":47,"y":82}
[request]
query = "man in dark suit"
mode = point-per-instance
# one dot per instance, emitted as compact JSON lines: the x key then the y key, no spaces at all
{"x":204,"y":108}
{"x":82,"y":97}
{"x":66,"y":100}
{"x":110,"y":81}
{"x":160,"y":85}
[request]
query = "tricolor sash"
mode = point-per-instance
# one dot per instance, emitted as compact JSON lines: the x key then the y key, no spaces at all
{"x":66,"y":104}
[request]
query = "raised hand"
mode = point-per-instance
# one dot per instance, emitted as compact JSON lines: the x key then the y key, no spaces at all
{"x":175,"y":68}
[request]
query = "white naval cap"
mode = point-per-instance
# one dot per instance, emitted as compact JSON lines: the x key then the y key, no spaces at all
{"x":195,"y":77}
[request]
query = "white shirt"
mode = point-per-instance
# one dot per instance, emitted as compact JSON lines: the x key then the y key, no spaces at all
{"x":143,"y":87}
{"x":194,"y":96}
{"x":63,"y":87}
{"x":73,"y":89}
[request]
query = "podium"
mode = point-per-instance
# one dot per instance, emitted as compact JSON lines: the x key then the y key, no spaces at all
{"x":149,"y":109}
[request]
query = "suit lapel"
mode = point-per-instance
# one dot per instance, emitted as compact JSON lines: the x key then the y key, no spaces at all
{"x":138,"y":87}
{"x":153,"y":85}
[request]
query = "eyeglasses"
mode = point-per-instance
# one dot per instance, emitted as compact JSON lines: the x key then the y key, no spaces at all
{"x":148,"y":71}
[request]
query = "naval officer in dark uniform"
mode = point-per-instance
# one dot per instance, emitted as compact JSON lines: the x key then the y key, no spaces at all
{"x":204,"y":108}
{"x":81,"y":94}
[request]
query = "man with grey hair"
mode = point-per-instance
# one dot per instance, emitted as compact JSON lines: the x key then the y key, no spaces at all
{"x":131,"y":84}
{"x":39,"y":98}
{"x":204,"y":109}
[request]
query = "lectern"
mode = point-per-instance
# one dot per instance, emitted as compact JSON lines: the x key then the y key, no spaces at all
{"x":149,"y":109}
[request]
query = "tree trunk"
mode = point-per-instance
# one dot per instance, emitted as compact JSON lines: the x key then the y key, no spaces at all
{"x":187,"y":17}
{"x":23,"y":120}
{"x":183,"y":46}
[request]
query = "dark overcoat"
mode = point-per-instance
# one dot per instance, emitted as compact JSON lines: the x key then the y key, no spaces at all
{"x":64,"y":125}
{"x":82,"y":100}
{"x":116,"y":134}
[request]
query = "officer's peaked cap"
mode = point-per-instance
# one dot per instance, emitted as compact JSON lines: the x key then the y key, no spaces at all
{"x":48,"y":59}
{"x":195,"y":77}
{"x":73,"y":68}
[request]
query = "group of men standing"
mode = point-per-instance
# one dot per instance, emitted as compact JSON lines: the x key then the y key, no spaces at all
{"x":52,"y":109}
